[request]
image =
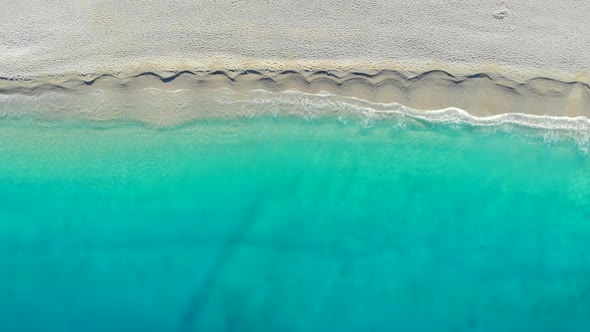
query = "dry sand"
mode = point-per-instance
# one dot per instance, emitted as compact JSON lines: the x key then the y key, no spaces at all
{"x":486,"y":57}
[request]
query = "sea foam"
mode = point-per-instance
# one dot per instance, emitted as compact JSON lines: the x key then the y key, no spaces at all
{"x":169,"y":108}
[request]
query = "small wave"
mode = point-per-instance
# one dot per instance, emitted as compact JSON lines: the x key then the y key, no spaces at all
{"x":551,"y":129}
{"x":167,"y":108}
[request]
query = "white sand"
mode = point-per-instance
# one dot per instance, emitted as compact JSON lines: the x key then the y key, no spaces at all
{"x":530,"y":37}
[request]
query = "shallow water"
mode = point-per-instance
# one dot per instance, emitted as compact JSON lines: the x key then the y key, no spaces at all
{"x":291,"y":224}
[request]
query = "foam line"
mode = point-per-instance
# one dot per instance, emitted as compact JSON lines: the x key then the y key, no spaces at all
{"x":165,"y":108}
{"x":225,"y":103}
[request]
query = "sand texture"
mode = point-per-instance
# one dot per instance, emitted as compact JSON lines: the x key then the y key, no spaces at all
{"x":480,"y":94}
{"x":486,"y":57}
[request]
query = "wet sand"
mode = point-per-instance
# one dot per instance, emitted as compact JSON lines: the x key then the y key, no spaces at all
{"x":480,"y":94}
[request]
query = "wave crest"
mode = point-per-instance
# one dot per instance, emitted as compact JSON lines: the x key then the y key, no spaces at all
{"x":164,"y":108}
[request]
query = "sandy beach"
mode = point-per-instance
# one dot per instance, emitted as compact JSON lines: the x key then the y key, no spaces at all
{"x":486,"y":57}
{"x":294,"y":165}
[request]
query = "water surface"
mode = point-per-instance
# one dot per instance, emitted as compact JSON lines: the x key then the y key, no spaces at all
{"x":290,"y":224}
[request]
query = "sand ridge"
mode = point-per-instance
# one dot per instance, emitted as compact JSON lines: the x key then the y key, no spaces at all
{"x":478,"y":93}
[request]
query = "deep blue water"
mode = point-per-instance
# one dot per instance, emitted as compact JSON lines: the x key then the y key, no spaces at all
{"x":285,"y":224}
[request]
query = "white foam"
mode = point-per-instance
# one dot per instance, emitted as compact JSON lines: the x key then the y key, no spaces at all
{"x":166,"y":108}
{"x":447,"y":115}
{"x":551,"y":129}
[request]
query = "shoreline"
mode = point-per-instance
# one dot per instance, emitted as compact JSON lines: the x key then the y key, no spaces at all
{"x":163,"y":109}
{"x":171,"y":107}
{"x":479,"y":93}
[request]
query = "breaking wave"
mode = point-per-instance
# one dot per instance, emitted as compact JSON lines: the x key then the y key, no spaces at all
{"x":164,"y":108}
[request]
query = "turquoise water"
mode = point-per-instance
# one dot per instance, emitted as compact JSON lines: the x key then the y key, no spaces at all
{"x":286,"y":224}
